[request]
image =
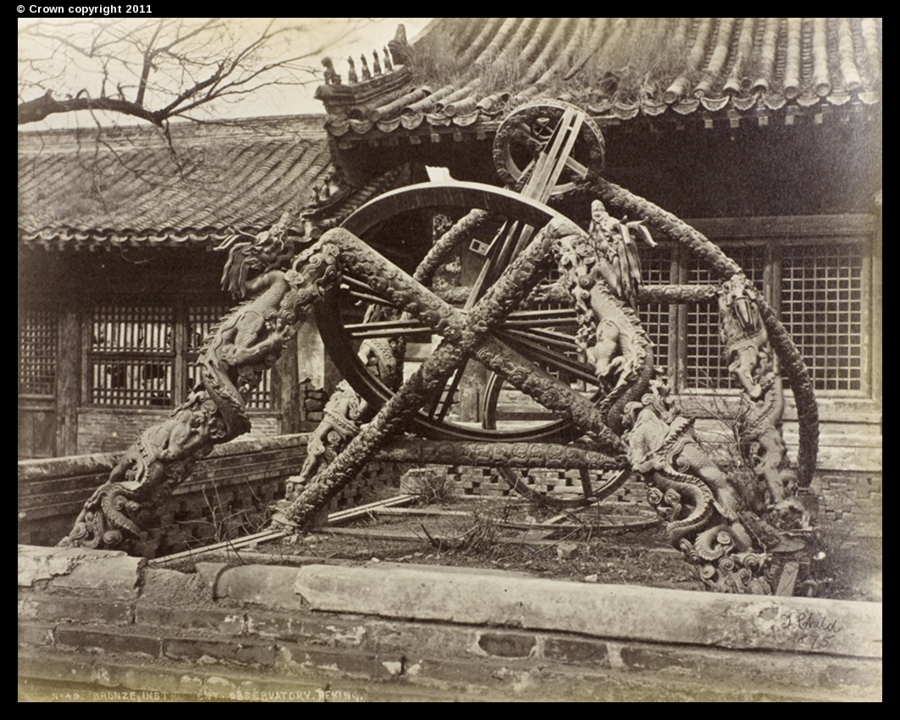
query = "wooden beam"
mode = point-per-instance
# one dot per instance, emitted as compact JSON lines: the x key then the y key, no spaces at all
{"x":286,"y":388}
{"x":67,"y":381}
{"x":799,"y":226}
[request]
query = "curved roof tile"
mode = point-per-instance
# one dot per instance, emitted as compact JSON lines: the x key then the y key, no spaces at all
{"x":625,"y":67}
{"x":130,"y":189}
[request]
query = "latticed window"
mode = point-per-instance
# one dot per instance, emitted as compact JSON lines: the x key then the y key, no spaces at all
{"x":37,"y":352}
{"x":132,"y":356}
{"x":706,"y":366}
{"x":822,"y":309}
{"x":820,"y":286}
{"x":656,"y":269}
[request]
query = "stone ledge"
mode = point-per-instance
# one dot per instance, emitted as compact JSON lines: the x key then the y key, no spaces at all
{"x":491,"y":633}
{"x":43,"y":469}
{"x":267,"y":585}
{"x":410,"y":592}
{"x":113,"y":573}
{"x":64,"y":609}
{"x":745,"y":622}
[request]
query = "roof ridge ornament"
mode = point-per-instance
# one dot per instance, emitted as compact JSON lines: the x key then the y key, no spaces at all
{"x":401,"y":50}
{"x":331,"y":76}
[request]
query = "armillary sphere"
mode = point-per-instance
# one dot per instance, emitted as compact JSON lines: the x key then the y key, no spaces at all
{"x":541,"y":150}
{"x":531,"y":131}
{"x":474,"y":404}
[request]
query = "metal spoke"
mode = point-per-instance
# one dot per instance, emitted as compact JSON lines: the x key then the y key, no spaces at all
{"x":386,"y":328}
{"x":443,"y":396}
{"x":548,"y":357}
{"x":528,"y":319}
{"x":576,"y":166}
{"x":349,"y":280}
{"x":546,"y":336}
{"x":371,"y":299}
{"x":499,"y":256}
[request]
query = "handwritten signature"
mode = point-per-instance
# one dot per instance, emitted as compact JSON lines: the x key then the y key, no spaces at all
{"x":812,"y":630}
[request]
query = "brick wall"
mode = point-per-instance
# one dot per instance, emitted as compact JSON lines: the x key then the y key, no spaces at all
{"x":228,"y":493}
{"x":105,"y":626}
{"x":312,"y":402}
{"x":484,"y":482}
{"x":225,"y":497}
{"x":108,"y":430}
{"x":849,"y":502}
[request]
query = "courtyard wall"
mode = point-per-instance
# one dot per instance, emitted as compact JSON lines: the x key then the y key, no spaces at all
{"x":229,"y":491}
{"x":225,"y":497}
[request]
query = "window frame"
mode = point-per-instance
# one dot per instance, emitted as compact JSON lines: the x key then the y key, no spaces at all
{"x":92,"y":355}
{"x":775,"y":234}
{"x":53,"y":335}
{"x":182,"y":356}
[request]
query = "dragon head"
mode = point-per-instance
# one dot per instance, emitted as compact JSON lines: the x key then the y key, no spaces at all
{"x":739,"y":296}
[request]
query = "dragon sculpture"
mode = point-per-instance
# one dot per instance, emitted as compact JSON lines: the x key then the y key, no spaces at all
{"x":731,"y":528}
{"x":345,"y":413}
{"x":146,"y":475}
{"x":234,"y":354}
{"x":717,"y":519}
{"x":737,"y":523}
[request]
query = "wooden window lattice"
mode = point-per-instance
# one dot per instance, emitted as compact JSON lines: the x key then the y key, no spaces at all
{"x":132,"y":356}
{"x":821,"y":308}
{"x":706,"y":367}
{"x":37,"y":352}
{"x":656,"y":269}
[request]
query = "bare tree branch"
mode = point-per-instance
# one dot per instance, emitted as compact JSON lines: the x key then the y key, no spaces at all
{"x":172,"y":66}
{"x":39,"y":108}
{"x":148,"y":64}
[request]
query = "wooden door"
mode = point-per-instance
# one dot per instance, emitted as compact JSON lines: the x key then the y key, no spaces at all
{"x":38,"y":347}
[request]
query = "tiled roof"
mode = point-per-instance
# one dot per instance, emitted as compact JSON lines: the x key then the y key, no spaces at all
{"x":468,"y":70}
{"x":126,"y":187}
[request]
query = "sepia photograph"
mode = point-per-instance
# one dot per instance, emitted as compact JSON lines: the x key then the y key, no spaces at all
{"x":448,"y":359}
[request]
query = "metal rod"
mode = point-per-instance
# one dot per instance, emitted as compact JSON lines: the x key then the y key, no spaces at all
{"x":373,"y":299}
{"x":349,"y":280}
{"x":351,"y":513}
{"x":567,"y":313}
{"x":551,"y":321}
{"x":560,"y":362}
{"x":269,"y":535}
{"x":557,"y":339}
{"x":447,"y":402}
{"x":238,"y":542}
{"x":387,"y":328}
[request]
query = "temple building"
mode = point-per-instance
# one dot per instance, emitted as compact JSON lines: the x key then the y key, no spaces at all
{"x":119,"y":277}
{"x":764,"y":134}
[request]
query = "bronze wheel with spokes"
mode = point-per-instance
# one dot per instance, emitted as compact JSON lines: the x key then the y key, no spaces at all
{"x":545,"y":336}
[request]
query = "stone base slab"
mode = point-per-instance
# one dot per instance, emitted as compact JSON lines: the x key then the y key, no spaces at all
{"x":397,"y":632}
